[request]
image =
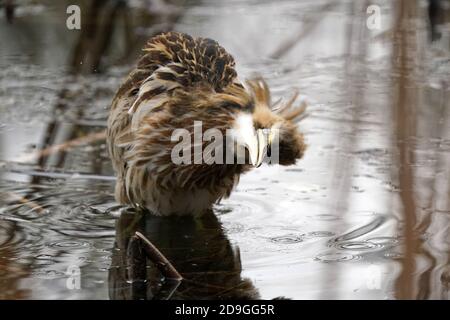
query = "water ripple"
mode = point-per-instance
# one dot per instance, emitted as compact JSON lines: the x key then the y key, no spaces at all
{"x":358,"y":245}
{"x":287,"y":239}
{"x":336,"y":257}
{"x":69,"y":244}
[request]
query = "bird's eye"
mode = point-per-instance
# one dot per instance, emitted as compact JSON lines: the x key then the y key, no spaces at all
{"x":134,"y":92}
{"x":230,"y":105}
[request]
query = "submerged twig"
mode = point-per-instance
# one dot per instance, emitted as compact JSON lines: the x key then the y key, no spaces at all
{"x":137,"y":272}
{"x":161,"y":262}
{"x":167,"y":290}
{"x":25,"y":201}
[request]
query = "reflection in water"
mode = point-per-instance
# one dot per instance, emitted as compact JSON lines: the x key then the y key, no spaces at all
{"x":404,"y":112}
{"x":199,"y":250}
{"x":10,"y":271}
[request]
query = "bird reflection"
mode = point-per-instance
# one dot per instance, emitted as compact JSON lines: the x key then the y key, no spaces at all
{"x":197,"y":247}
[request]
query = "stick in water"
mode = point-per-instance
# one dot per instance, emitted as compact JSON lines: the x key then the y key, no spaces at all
{"x":166,"y":268}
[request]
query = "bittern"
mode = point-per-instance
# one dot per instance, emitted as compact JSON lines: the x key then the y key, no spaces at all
{"x":180,"y":81}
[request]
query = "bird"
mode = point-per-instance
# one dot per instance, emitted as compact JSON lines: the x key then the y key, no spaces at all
{"x":179,"y":81}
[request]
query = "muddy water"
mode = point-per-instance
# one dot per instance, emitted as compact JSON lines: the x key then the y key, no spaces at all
{"x":365,"y":215}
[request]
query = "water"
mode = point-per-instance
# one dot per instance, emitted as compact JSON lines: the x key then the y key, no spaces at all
{"x":365,"y":215}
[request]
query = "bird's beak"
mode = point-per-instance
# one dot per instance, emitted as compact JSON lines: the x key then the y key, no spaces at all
{"x":257,"y":145}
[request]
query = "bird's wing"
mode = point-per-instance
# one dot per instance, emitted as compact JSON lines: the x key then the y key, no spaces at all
{"x":170,"y":61}
{"x":190,"y":60}
{"x":175,"y":60}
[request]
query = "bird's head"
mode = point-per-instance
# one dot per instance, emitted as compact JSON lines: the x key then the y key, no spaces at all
{"x":268,"y":135}
{"x":255,"y":132}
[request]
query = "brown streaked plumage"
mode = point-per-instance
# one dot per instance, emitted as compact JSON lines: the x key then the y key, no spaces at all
{"x":177,"y":81}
